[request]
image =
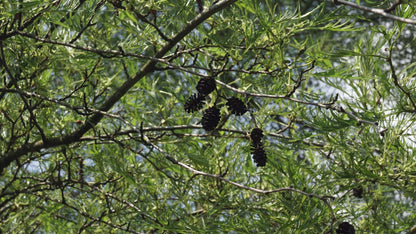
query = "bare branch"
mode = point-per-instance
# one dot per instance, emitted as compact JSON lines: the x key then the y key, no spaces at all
{"x":300,"y":79}
{"x":377,"y":11}
{"x":393,"y":6}
{"x":396,"y":83}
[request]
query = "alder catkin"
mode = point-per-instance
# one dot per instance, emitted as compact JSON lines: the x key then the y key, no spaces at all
{"x":205,"y":86}
{"x":194,"y":103}
{"x":211,"y":118}
{"x":236,"y":106}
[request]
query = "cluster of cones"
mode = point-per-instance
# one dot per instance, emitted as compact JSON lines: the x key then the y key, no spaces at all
{"x":257,"y":148}
{"x":212,"y":116}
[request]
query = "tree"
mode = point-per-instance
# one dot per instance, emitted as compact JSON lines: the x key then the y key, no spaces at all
{"x":207,"y":116}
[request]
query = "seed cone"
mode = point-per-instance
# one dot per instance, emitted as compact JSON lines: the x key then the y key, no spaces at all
{"x":256,"y":136}
{"x":345,"y":228}
{"x":205,"y":86}
{"x":211,"y":118}
{"x":194,"y":103}
{"x":358,"y":192}
{"x":259,"y":156}
{"x":236,"y":106}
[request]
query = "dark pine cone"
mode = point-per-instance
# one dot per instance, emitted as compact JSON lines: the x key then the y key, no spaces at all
{"x":259,"y":156}
{"x":194,"y":103}
{"x":256,"y":135}
{"x":358,"y":192}
{"x":345,"y":228}
{"x":206,"y":85}
{"x":211,"y":118}
{"x":236,"y":106}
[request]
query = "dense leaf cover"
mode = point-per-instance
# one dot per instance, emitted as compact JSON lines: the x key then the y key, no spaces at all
{"x":249,"y":116}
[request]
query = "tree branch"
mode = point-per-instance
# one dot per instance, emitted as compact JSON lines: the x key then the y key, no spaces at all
{"x":396,"y":83}
{"x":377,"y":11}
{"x":300,"y":79}
{"x":143,"y":18}
{"x":393,"y":6}
{"x":329,"y":105}
{"x":220,"y":177}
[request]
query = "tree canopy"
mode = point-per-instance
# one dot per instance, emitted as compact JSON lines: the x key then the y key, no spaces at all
{"x":231,"y":116}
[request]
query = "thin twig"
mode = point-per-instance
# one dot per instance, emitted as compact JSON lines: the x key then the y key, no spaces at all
{"x":300,"y":79}
{"x":396,"y":82}
{"x":396,"y":4}
{"x":142,"y":213}
{"x":377,"y":11}
{"x":329,"y":105}
{"x":197,"y":172}
{"x":143,"y":18}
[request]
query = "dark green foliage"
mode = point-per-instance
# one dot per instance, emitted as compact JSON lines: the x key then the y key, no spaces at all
{"x":93,"y":139}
